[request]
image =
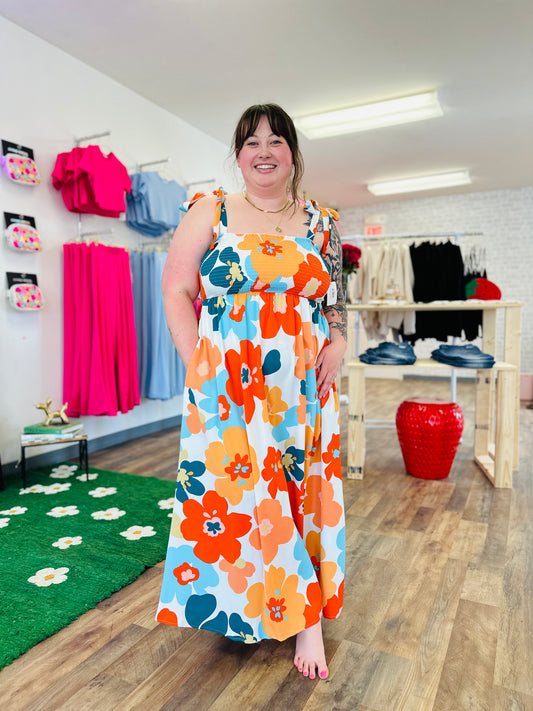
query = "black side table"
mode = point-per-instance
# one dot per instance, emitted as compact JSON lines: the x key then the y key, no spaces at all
{"x":81,"y":439}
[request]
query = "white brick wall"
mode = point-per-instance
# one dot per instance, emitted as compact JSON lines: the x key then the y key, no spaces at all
{"x":505,"y":217}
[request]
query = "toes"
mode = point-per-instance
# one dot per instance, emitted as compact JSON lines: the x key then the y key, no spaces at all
{"x":323,"y":672}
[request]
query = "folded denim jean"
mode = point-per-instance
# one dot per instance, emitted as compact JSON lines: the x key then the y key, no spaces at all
{"x":376,"y":360}
{"x":464,"y":352}
{"x":483,"y":361}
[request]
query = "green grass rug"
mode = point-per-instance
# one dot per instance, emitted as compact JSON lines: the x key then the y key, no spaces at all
{"x":67,"y":543}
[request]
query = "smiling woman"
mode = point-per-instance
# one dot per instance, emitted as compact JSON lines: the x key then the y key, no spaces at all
{"x":256,"y":546}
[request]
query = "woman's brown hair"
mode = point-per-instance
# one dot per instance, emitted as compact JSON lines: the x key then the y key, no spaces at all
{"x":282,"y":125}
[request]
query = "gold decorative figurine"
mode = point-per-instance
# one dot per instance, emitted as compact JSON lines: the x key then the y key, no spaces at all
{"x":52,"y":415}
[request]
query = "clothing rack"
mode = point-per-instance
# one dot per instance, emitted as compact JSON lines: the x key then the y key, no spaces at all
{"x":199,"y":182}
{"x":456,"y":238}
{"x":104,"y":134}
{"x":153,"y":162}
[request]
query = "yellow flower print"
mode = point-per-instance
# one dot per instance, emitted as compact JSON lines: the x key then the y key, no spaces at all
{"x":278,"y":603}
{"x":204,"y":362}
{"x":325,"y":570}
{"x":272,"y":256}
{"x":234,"y":462}
{"x":274,"y":405}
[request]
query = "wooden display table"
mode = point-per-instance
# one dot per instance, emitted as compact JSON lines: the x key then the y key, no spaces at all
{"x":511,"y":311}
{"x":81,"y":439}
{"x":493,"y":400}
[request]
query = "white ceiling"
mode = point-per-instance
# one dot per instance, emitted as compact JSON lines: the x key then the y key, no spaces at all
{"x":207,"y":60}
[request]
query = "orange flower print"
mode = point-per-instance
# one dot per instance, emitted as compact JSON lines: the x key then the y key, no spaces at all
{"x":195,"y":420}
{"x":278,"y":313}
{"x":313,"y":609}
{"x":204,"y":362}
{"x":325,"y":570}
{"x":272,"y":256}
{"x":223,"y":407}
{"x":250,"y":381}
{"x":273,"y":472}
{"x":313,"y":441}
{"x":320,"y":501}
{"x":296,"y":498}
{"x":272,"y":530}
{"x":334,"y":604}
{"x":275,"y":405}
{"x":332,"y":458}
{"x":312,"y":279}
{"x":278,"y":603}
{"x":186,"y":574}
{"x":306,"y":350}
{"x":234,"y":462}
{"x":238,"y":573}
{"x":215,"y":531}
{"x":167,"y":617}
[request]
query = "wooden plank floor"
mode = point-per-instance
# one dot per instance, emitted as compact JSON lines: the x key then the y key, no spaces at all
{"x":437,"y":616}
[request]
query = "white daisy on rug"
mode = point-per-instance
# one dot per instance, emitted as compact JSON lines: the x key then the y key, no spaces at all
{"x":64,"y":543}
{"x":59,"y":511}
{"x":83,"y":477}
{"x":103,"y":491}
{"x":56,"y":488}
{"x":35,"y":489}
{"x":49,"y":576}
{"x":14,"y":511}
{"x":4,"y":522}
{"x":63,"y":471}
{"x":166,"y":503}
{"x":135,"y":532}
{"x":108,"y":514}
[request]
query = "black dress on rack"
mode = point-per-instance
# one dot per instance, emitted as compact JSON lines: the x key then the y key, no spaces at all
{"x":438,"y":276}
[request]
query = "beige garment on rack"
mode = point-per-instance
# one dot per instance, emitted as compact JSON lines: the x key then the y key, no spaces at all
{"x":385,"y":266}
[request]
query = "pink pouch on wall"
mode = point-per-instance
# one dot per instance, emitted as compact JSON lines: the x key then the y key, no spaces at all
{"x":21,"y":169}
{"x":23,"y":238}
{"x":25,"y":297}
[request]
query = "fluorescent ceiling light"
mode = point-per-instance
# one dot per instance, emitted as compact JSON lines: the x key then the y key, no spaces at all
{"x":429,"y":182}
{"x":368,"y":116}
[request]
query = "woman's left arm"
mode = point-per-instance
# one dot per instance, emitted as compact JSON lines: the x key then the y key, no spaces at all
{"x":330,"y":357}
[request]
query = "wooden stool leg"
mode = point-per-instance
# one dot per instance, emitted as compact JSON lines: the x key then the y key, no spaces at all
{"x":483,"y":418}
{"x":356,"y":424}
{"x":504,"y":436}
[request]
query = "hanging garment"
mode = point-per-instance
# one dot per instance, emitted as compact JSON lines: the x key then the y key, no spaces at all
{"x":91,"y":182}
{"x":256,"y":547}
{"x":385,"y":267}
{"x":100,"y":350}
{"x":153,"y":204}
{"x":161,"y":370}
{"x":438,"y":276}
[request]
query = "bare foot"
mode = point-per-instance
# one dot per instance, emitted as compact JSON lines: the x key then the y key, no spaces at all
{"x":309,"y":655}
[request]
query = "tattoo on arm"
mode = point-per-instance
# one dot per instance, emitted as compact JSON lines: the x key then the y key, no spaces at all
{"x":336,"y":314}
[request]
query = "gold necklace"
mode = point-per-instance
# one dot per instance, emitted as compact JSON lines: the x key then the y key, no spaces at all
{"x":271,"y":212}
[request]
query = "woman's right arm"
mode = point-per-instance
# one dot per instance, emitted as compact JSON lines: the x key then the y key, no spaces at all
{"x":180,"y":283}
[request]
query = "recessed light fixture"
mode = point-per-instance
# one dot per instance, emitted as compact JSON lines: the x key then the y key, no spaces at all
{"x":368,"y":116}
{"x":428,"y":182}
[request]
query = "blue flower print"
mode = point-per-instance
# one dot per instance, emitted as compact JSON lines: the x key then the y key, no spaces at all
{"x":199,"y":609}
{"x":292,"y":458}
{"x":245,"y":328}
{"x":188,"y":482}
{"x":244,"y":631}
{"x":229,"y":274}
{"x":184,"y":574}
{"x":208,"y":262}
{"x":341,"y":545}
{"x":213,"y":389}
{"x":306,"y":570}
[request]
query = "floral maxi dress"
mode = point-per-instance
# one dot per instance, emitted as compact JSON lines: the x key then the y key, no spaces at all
{"x":256,"y":547}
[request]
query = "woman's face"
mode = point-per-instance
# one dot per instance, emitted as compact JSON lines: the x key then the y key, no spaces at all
{"x":265,"y":159}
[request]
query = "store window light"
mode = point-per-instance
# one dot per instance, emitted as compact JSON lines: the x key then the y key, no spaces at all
{"x":391,"y":112}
